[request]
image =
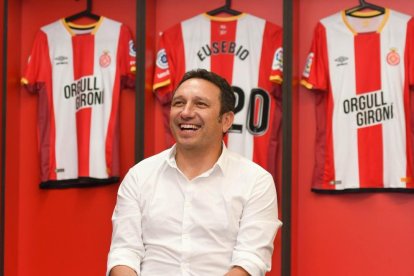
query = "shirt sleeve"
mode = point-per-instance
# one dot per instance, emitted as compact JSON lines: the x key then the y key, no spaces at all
{"x":258,"y":228}
{"x":127,"y":55}
{"x":163,"y":85}
{"x":275,"y":34}
{"x":316,"y":72}
{"x":126,"y":246}
{"x":38,"y":69}
{"x":409,"y":52}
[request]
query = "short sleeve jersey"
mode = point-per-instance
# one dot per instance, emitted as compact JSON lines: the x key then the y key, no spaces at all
{"x":247,"y":52}
{"x":364,"y":68}
{"x":78,"y":72}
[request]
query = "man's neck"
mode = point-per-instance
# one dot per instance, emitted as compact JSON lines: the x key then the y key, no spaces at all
{"x":193,"y":162}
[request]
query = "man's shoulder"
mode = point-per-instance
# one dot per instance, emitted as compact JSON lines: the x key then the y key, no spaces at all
{"x":243,"y":164}
{"x":152,"y":162}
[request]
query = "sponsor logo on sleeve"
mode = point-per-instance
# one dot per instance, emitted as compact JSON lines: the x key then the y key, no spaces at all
{"x":278,"y":60}
{"x":132,"y":51}
{"x":308,"y":65}
{"x":162,"y":62}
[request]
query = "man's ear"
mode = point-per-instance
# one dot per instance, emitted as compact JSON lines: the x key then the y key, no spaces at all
{"x":227,"y":119}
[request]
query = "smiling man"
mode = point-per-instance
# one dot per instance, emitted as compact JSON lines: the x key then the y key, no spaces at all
{"x":196,"y":208}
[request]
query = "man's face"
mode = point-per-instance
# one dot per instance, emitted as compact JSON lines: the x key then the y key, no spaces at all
{"x":195,"y":119}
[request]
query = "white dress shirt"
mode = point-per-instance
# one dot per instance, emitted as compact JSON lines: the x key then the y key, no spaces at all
{"x":165,"y":224}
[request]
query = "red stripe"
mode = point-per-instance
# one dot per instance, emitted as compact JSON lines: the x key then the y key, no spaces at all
{"x":111,"y":139}
{"x":83,"y":54}
{"x":368,"y":79}
{"x":50,"y":134}
{"x":222,"y":35}
{"x":262,"y":152}
{"x":324,"y":163}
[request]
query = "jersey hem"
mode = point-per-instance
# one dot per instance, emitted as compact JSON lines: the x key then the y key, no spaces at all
{"x":81,"y":182}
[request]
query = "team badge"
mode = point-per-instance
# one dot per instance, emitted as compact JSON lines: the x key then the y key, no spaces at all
{"x":162,"y":62}
{"x":393,"y":58}
{"x":132,"y":51}
{"x":278,"y":60}
{"x":308,"y":65}
{"x":105,"y":59}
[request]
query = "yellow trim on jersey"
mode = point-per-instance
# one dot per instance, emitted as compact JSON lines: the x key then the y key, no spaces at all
{"x":306,"y":84}
{"x":276,"y":79}
{"x":24,"y":81}
{"x":94,"y":26}
{"x":161,"y":84}
{"x":366,"y":14}
{"x":224,"y":19}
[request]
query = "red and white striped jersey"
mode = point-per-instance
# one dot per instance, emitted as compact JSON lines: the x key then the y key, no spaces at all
{"x":364,"y":134}
{"x":247,"y":52}
{"x":77,"y":70}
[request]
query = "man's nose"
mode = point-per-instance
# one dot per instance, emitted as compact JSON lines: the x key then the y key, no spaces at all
{"x":188,"y":110}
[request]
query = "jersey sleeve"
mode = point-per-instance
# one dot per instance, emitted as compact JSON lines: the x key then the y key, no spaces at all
{"x":38,"y":68}
{"x":410,"y":51}
{"x":275,"y":34}
{"x":316,"y":72}
{"x":169,"y":63}
{"x":127,"y":55}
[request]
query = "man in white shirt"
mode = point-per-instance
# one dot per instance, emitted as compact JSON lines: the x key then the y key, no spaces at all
{"x":196,"y":208}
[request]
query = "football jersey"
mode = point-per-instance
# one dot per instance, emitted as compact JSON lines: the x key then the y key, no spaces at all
{"x":364,"y":67}
{"x":78,"y":72}
{"x":247,"y":52}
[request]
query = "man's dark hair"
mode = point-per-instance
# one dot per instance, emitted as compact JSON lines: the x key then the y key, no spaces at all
{"x":227,"y":97}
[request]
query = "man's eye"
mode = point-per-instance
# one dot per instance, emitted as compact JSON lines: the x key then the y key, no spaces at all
{"x":177,"y":103}
{"x":202,"y":104}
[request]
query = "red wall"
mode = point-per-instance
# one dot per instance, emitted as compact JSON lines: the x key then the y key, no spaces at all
{"x":353,"y":234}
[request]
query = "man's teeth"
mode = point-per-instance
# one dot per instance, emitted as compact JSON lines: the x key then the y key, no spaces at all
{"x":188,"y":127}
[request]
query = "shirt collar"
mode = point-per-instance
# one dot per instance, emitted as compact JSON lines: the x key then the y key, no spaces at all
{"x":221,"y":163}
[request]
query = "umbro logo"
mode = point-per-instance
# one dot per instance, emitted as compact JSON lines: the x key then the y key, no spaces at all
{"x":61,"y":60}
{"x":341,"y":61}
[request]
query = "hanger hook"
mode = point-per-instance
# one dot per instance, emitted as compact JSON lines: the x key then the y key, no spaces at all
{"x":89,"y":5}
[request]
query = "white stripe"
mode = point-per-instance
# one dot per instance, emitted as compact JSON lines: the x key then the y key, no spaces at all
{"x":394,"y":131}
{"x":60,"y":45}
{"x":196,"y":34}
{"x":340,"y":43}
{"x":249,"y":35}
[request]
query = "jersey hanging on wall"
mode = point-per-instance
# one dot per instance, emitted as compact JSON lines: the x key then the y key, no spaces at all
{"x":364,"y":135}
{"x":247,"y":52}
{"x":78,"y":72}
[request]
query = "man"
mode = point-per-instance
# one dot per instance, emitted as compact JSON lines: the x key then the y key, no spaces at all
{"x":197,"y":208}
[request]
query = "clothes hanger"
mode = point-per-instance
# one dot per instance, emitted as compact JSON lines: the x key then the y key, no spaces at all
{"x":364,"y":5}
{"x":85,"y":13}
{"x":224,"y":9}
